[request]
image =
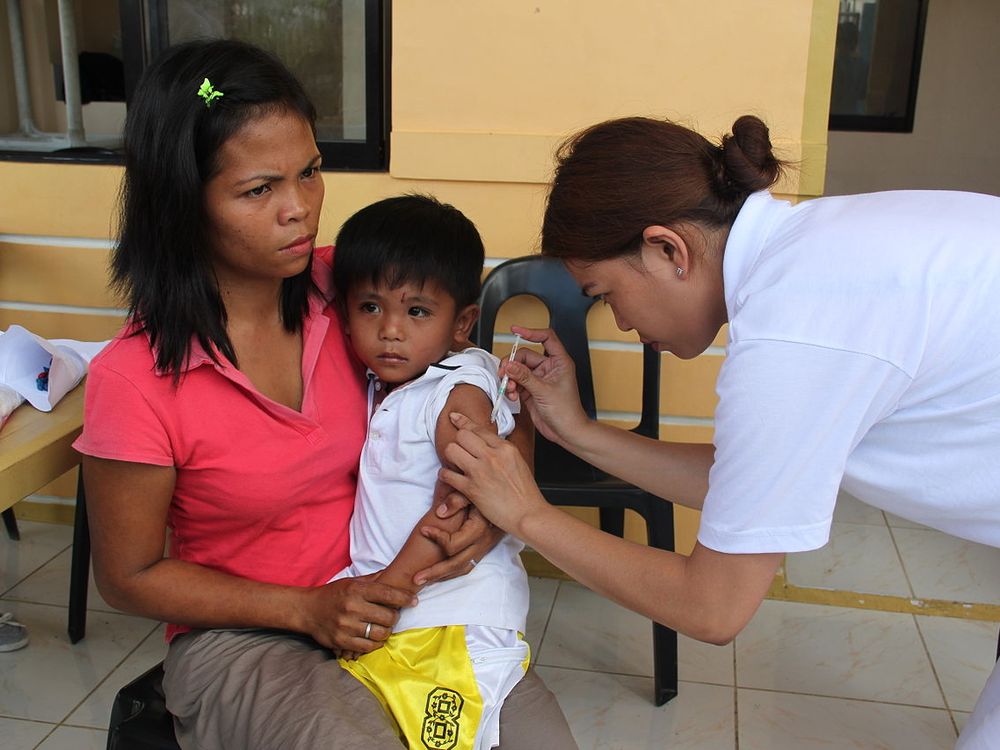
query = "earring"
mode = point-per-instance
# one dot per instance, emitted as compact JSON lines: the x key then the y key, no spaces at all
{"x":680,"y":272}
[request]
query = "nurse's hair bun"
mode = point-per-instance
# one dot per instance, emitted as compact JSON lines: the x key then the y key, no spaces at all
{"x":746,"y":161}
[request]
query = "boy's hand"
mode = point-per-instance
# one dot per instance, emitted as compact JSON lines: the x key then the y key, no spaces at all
{"x":447,"y":500}
{"x":464,"y":548}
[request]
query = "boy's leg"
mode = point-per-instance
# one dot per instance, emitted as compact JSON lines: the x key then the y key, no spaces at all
{"x":261,"y":690}
{"x":982,"y":730}
{"x":531,"y":718}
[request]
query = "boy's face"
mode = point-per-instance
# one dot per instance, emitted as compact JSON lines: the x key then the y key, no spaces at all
{"x":401,"y":332}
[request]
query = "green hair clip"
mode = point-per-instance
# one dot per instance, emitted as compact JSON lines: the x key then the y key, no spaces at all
{"x":208,"y":92}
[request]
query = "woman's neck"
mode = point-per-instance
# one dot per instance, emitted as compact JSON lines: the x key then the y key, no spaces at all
{"x":249,"y":303}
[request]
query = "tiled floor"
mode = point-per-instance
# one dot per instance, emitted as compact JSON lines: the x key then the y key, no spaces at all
{"x":801,"y":676}
{"x":877,"y":553}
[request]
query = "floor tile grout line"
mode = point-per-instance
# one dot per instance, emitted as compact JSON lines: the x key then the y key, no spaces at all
{"x":22,"y":580}
{"x":46,"y":737}
{"x":899,"y":556}
{"x":844,"y":698}
{"x":934,"y":671}
{"x":106,"y":677}
{"x":630,"y":674}
{"x":736,"y":701}
{"x":548,"y":619}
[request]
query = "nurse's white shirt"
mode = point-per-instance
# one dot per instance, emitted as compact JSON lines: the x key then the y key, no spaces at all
{"x":397,"y":475}
{"x":864,"y":349}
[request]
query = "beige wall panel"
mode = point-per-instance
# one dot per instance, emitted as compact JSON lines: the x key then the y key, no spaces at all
{"x":497,"y":108}
{"x":687,"y":387}
{"x":508,"y":216}
{"x":524,"y":311}
{"x":61,"y":200}
{"x":55,"y":275}
{"x":687,"y":433}
{"x":52,"y":325}
{"x":571,"y":52}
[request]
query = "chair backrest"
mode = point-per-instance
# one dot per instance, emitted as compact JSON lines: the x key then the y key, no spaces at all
{"x":548,"y":280}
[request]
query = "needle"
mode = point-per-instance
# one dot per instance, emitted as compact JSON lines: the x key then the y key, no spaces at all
{"x":503,"y":383}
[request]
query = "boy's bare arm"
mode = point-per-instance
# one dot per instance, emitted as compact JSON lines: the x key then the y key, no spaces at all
{"x":419,"y":552}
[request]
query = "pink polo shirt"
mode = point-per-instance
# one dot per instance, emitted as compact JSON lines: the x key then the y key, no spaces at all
{"x":263,"y":491}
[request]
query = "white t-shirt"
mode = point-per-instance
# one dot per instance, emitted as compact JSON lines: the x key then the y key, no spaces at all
{"x":397,"y":475}
{"x":864,"y":349}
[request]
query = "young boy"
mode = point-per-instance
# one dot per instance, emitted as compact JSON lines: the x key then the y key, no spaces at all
{"x":407,"y":272}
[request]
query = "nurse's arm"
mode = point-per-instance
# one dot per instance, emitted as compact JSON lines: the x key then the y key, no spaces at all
{"x":708,"y":595}
{"x":676,"y":471}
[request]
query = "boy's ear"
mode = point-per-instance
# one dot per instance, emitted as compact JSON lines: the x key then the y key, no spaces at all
{"x":464,"y":321}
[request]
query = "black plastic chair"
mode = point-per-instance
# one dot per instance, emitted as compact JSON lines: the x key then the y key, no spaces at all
{"x":10,"y":522}
{"x":563,"y":478}
{"x":139,"y":716}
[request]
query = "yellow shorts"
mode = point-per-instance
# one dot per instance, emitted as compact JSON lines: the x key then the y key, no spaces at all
{"x":444,"y":686}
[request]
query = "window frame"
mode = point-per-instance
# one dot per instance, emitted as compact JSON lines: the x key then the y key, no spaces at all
{"x":895,"y":123}
{"x":145,"y":34}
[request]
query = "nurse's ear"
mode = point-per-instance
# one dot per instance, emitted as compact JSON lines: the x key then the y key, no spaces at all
{"x":665,"y":252}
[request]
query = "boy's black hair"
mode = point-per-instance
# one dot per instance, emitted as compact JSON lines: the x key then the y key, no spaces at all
{"x":410,"y":238}
{"x":162,"y":261}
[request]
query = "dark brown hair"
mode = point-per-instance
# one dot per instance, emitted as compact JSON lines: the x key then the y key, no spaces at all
{"x":616,"y":178}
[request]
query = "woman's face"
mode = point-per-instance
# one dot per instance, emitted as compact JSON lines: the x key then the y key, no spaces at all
{"x":263,"y":204}
{"x":677,"y":313}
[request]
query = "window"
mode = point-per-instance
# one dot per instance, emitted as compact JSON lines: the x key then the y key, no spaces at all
{"x":876,"y":64}
{"x":337,"y":48}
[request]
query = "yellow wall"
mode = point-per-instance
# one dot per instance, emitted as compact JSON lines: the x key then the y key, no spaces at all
{"x":481,"y":93}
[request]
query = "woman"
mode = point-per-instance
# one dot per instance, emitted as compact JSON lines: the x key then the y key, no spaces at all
{"x":230,"y":411}
{"x":861,"y":352}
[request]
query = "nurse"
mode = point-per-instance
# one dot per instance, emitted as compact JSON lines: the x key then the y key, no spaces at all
{"x":862,"y":352}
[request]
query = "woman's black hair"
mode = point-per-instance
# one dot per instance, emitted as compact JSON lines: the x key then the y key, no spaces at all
{"x":410,"y":238}
{"x":161,"y":262}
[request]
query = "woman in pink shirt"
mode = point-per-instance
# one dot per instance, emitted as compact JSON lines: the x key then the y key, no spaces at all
{"x":230,"y":411}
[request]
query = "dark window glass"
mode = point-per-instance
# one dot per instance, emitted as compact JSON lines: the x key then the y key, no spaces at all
{"x":337,"y":48}
{"x":876,"y":64}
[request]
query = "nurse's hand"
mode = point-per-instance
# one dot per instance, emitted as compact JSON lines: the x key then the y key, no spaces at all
{"x":492,"y":474}
{"x":546,"y":385}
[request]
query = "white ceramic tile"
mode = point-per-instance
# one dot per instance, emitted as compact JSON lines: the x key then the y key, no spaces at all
{"x":587,"y":631}
{"x":75,"y":738}
{"x":543,"y":595}
{"x":785,"y":721}
{"x":16,"y":734}
{"x":851,"y":510}
{"x":39,"y":543}
{"x":614,"y":712}
{"x":945,"y":567}
{"x":858,"y":558}
{"x":96,"y":710}
{"x":50,"y":585}
{"x":46,"y":680}
{"x":837,"y":652}
{"x":963,"y":653}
